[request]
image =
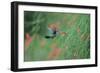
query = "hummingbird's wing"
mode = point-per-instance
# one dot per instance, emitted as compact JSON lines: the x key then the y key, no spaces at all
{"x":49,"y":33}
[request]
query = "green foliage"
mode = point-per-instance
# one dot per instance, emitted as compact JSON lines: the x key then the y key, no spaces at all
{"x":34,"y":22}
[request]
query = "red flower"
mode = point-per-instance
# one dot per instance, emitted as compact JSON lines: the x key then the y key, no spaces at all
{"x":28,"y":40}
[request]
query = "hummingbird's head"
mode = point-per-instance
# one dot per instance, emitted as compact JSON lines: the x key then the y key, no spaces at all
{"x":54,"y":26}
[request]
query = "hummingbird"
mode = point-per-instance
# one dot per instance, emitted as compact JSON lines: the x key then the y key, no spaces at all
{"x":53,"y":31}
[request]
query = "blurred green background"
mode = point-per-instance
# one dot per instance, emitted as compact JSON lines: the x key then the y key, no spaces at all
{"x":74,"y":45}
